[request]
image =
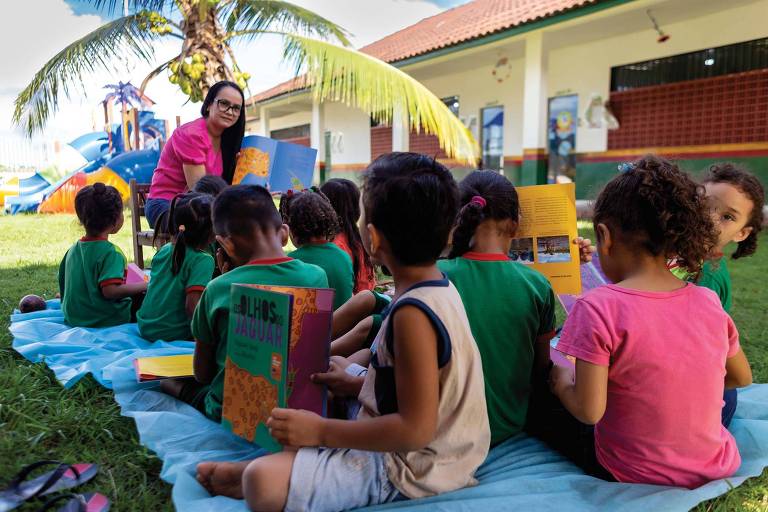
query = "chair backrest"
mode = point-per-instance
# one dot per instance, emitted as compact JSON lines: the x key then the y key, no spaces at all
{"x":138,"y":197}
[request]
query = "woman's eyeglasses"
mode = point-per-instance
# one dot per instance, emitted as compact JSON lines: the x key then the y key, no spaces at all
{"x":224,"y":106}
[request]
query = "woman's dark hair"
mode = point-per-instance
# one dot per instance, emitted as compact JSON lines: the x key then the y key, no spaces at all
{"x":751,"y":187}
{"x":232,"y":138}
{"x":190,"y":225}
{"x":210,"y":184}
{"x":483,"y":195}
{"x":656,"y":207}
{"x":345,"y":199}
{"x":98,"y":207}
{"x":412,"y":200}
{"x":309,"y":214}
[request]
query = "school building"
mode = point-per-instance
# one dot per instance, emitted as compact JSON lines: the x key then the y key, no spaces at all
{"x":561,"y":89}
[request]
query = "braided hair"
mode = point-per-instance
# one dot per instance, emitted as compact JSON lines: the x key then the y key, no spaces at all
{"x":483,"y":195}
{"x":98,"y":207}
{"x":190,"y":225}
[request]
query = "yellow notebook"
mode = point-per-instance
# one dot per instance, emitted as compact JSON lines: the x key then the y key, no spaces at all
{"x":164,"y":367}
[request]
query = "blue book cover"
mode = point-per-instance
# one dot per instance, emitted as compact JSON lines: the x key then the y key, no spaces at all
{"x":275,"y":164}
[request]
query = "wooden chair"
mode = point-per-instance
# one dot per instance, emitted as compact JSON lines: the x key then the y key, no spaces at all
{"x":141,"y":238}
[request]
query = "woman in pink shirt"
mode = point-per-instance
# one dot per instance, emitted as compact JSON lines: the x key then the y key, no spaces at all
{"x":653,"y":353}
{"x":208,"y":145}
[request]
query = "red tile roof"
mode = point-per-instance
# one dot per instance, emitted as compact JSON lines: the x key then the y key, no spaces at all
{"x":472,"y":20}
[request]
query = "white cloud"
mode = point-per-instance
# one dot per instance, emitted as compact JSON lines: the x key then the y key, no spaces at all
{"x":56,"y":26}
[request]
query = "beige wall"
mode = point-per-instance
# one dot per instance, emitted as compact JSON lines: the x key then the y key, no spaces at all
{"x":350,"y":134}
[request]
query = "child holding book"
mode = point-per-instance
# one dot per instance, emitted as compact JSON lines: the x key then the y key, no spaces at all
{"x":251,"y":235}
{"x":180,"y":271}
{"x":313,"y":224}
{"x":511,"y":307}
{"x":650,"y":379}
{"x":92,"y":273}
{"x":423,"y":429}
{"x":345,"y":199}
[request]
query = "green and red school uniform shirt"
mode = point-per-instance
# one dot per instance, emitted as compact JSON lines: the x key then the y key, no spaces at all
{"x":337,"y":266}
{"x":88,"y":266}
{"x":210,"y":322}
{"x":163,"y":314}
{"x":509,"y":305}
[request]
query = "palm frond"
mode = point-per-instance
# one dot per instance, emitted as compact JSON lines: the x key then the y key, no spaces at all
{"x":67,"y":69}
{"x":250,"y":18}
{"x":116,"y":6}
{"x":357,"y":79}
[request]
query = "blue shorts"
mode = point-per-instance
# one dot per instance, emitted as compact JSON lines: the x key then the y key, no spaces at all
{"x":334,"y":479}
{"x":153,"y":208}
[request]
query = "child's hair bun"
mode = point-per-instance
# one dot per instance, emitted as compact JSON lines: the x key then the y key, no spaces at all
{"x":99,"y":188}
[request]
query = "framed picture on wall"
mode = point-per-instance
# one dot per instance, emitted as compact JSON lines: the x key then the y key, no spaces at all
{"x":561,"y":138}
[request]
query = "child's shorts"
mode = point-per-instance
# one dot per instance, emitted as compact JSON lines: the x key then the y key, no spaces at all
{"x":326,"y":479}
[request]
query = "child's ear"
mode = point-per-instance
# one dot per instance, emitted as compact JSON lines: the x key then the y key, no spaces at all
{"x":284,"y":233}
{"x":743,"y":234}
{"x":375,"y":237}
{"x":227,"y":244}
{"x":604,"y":239}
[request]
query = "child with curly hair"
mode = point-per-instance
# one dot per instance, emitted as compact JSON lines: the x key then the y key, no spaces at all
{"x":313,"y":224}
{"x":92,"y":273}
{"x":653,"y":353}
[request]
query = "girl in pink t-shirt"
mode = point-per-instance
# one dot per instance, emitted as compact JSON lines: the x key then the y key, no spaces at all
{"x":653,"y":353}
{"x":208,"y":145}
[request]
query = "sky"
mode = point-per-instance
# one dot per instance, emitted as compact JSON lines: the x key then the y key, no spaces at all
{"x":57,"y":23}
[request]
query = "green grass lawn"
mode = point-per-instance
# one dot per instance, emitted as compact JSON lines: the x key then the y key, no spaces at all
{"x":40,"y":420}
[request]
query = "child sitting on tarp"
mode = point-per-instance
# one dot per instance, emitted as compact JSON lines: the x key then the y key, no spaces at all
{"x":312,"y":224}
{"x":736,"y":200}
{"x":251,"y":234}
{"x":423,"y":429}
{"x":345,"y":199}
{"x":92,"y":273}
{"x":653,"y":354}
{"x":180,"y":271}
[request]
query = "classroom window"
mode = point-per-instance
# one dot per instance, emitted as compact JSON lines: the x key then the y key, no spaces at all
{"x":294,"y":132}
{"x":705,"y":63}
{"x":492,"y":138}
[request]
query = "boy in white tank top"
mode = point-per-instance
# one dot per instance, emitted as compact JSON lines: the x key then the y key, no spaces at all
{"x":423,"y":429}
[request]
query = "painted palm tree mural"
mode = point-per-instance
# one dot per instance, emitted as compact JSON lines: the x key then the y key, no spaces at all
{"x":208,"y":29}
{"x":126,"y":95}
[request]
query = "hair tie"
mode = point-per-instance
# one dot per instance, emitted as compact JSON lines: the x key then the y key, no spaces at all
{"x":479,"y":200}
{"x":627,"y":167}
{"x":289,"y":192}
{"x":181,"y":228}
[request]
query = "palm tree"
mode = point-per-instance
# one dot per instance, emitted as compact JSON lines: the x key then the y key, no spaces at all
{"x":207,"y":29}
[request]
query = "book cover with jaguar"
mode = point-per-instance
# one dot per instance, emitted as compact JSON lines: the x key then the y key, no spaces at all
{"x":256,"y":370}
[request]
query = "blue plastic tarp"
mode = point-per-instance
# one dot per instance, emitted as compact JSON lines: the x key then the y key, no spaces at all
{"x":520,"y":474}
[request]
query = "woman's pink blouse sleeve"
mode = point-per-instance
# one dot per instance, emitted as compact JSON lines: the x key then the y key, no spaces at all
{"x":192,"y":147}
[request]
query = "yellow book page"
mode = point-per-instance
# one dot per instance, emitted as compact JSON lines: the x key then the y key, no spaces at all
{"x":166,"y":366}
{"x":544,"y":239}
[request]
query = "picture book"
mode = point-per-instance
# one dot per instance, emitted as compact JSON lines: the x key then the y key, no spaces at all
{"x":275,"y":164}
{"x":546,"y":233}
{"x":163,"y":367}
{"x":591,"y":277}
{"x":133,"y":274}
{"x":278,"y":337}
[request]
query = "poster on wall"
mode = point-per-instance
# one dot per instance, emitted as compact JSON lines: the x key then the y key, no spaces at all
{"x":561,"y":137}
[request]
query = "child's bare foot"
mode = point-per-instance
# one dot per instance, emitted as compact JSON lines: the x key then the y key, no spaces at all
{"x":222,"y":478}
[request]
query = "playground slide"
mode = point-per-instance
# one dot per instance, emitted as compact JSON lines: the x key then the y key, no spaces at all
{"x":30,"y":192}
